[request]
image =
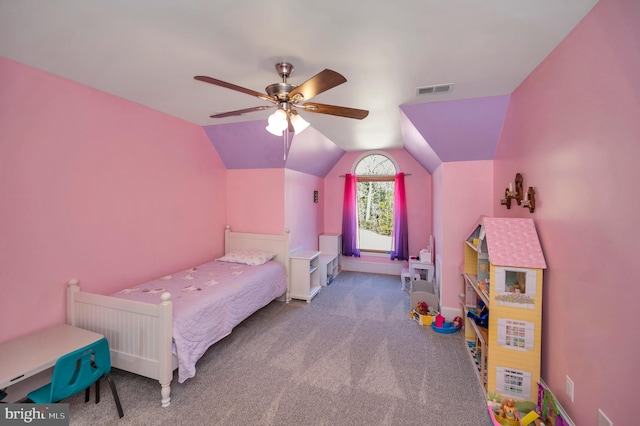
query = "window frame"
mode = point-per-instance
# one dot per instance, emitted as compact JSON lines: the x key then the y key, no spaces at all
{"x":374,"y":178}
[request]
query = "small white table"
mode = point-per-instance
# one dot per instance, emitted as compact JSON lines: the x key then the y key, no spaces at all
{"x":415,"y":264}
{"x":29,"y":355}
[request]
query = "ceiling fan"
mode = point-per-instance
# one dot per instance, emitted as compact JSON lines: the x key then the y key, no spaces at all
{"x":287,"y":98}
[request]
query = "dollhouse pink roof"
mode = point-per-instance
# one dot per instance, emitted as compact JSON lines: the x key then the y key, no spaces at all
{"x":513,"y":242}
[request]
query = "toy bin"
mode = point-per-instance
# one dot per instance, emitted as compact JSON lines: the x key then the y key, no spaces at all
{"x":423,"y":291}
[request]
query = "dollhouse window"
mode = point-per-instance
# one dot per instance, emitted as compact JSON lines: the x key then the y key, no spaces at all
{"x":513,"y":383}
{"x":515,"y":287}
{"x":515,"y":334}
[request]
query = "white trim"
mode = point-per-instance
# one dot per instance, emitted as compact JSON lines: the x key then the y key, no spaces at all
{"x":450,"y":313}
{"x":359,"y":264}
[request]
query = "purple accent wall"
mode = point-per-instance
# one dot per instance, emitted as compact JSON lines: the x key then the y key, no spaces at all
{"x":246,"y":145}
{"x":312,"y":153}
{"x":415,"y":145}
{"x":461,"y":130}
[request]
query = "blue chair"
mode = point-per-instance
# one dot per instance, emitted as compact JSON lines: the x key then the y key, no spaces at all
{"x":77,"y":371}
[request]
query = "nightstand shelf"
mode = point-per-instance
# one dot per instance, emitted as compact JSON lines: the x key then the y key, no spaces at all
{"x":305,"y":283}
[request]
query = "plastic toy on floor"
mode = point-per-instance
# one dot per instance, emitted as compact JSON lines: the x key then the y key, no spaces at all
{"x":510,"y":412}
{"x":422,"y":314}
{"x":507,"y":413}
{"x":442,"y":326}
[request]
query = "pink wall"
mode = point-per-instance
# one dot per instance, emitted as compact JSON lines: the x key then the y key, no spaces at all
{"x":303,"y":217}
{"x":96,"y":188}
{"x":462,"y":193}
{"x":418,"y":188}
{"x":255,"y":200}
{"x":573,"y":130}
{"x":272,"y":200}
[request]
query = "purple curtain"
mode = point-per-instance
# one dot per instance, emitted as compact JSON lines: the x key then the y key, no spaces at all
{"x":400,"y":233}
{"x":350,"y":217}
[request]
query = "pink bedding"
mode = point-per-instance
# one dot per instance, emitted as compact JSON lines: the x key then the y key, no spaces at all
{"x":209,"y":301}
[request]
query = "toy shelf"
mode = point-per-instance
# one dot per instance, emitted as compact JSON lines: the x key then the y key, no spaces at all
{"x":506,"y":354}
{"x":478,"y":348}
{"x":473,"y":280}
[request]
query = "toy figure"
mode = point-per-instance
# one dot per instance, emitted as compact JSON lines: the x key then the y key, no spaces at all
{"x":457,"y":322}
{"x":507,"y":411}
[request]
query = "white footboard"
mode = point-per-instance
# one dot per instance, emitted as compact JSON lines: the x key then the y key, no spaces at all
{"x":139,"y":334}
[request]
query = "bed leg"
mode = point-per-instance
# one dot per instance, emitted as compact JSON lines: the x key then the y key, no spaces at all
{"x":165,"y":391}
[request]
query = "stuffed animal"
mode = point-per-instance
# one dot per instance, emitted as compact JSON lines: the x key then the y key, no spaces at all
{"x":420,"y":312}
{"x":422,"y":308}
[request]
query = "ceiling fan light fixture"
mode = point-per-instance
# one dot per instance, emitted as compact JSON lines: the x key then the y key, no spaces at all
{"x":299,"y":124}
{"x":277,"y":122}
{"x":274,"y":130}
{"x":278,"y":119}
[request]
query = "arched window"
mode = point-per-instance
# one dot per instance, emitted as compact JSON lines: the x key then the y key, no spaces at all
{"x":375,"y":196}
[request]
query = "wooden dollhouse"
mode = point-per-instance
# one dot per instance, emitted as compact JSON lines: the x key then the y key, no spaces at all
{"x":503,"y":267}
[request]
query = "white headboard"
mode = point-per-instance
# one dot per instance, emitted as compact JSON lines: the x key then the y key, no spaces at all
{"x":278,"y":243}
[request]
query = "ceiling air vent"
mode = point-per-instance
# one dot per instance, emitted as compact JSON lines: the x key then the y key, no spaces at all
{"x":437,"y":88}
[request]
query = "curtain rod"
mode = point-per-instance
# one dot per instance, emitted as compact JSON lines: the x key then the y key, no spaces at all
{"x":406,"y":174}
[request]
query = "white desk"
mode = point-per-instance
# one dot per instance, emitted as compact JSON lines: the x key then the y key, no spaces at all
{"x":29,"y":355}
{"x":416,"y":264}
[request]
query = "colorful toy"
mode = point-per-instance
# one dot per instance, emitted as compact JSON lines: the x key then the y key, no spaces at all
{"x":447,"y":327}
{"x":506,"y":413}
{"x":482,"y":318}
{"x":422,"y":308}
{"x":457,"y":322}
{"x":422,"y":314}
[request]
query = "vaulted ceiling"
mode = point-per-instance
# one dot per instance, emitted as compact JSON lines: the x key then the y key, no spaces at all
{"x":148,"y":52}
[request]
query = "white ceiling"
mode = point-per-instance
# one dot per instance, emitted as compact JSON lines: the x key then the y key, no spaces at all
{"x":147,"y":51}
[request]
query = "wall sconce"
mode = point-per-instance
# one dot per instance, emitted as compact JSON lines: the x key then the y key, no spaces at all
{"x":510,"y":194}
{"x":529,"y":200}
{"x":524,"y":199}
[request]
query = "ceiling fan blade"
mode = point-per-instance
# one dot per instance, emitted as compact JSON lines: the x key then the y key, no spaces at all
{"x":335,"y":110}
{"x":240,"y":89}
{"x":240,"y":111}
{"x":317,"y":84}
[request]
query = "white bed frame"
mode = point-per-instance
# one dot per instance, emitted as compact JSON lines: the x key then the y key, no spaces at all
{"x":140,"y":334}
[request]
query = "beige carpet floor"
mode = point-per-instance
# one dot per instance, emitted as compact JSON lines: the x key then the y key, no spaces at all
{"x":350,"y":357}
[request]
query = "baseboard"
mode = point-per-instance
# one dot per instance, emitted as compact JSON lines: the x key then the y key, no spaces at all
{"x":450,"y":313}
{"x":374,"y":265}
